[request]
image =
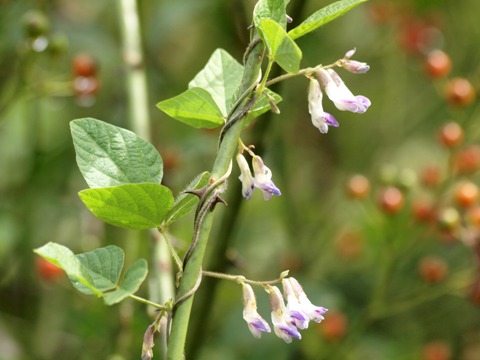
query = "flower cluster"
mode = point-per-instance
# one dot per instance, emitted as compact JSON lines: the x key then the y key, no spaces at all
{"x":287,"y":319}
{"x":337,"y":92}
{"x":262,"y":178}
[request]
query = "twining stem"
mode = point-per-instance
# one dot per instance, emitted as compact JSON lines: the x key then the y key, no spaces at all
{"x":193,"y":267}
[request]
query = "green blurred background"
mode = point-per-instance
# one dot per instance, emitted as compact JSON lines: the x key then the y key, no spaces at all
{"x":350,"y":255}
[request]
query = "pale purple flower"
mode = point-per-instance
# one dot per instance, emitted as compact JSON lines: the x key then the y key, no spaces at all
{"x":263,"y":178}
{"x":353,"y":66}
{"x":255,"y":322}
{"x":314,"y":313}
{"x":320,"y":119}
{"x":339,"y":94}
{"x":283,"y":326}
{"x":297,"y":314}
{"x":245,"y":177}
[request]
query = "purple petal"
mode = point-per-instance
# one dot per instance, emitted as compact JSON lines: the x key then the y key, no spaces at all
{"x":291,"y":331}
{"x":298,"y":315}
{"x":330,"y":120}
{"x":260,"y":325}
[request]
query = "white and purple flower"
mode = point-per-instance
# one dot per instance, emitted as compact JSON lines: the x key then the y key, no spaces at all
{"x":255,"y":322}
{"x":283,"y":326}
{"x":245,"y":177}
{"x":353,"y":66}
{"x":297,"y":313}
{"x":263,"y":178}
{"x":339,"y":94}
{"x":320,"y":119}
{"x":313,"y":312}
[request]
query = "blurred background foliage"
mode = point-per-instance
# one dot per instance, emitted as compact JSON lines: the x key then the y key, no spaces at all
{"x":393,"y":253}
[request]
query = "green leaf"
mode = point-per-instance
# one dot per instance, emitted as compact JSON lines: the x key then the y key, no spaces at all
{"x":131,"y":206}
{"x":261,"y":106}
{"x":184,"y":203}
{"x":91,"y":273}
{"x":134,"y":277}
{"x":97,"y":271}
{"x":323,"y":16}
{"x":271,"y":9}
{"x":108,"y":155}
{"x":281,"y":48}
{"x":194,"y":107}
{"x":221,"y":77}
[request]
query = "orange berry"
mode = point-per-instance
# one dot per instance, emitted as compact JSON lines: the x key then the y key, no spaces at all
{"x":358,"y":187}
{"x":84,"y":65}
{"x":334,"y":327}
{"x":423,"y":210}
{"x":391,"y":200}
{"x":436,"y":350}
{"x":349,"y":244}
{"x":468,"y":159}
{"x":438,"y":64}
{"x":459,"y":92}
{"x":473,"y":215}
{"x":466,"y":194}
{"x":46,"y":270}
{"x":432,"y":269}
{"x":431,"y":176}
{"x":475,"y":292}
{"x":451,"y":134}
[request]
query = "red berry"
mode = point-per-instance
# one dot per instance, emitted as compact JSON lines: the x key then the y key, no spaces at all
{"x":46,"y":270}
{"x":423,"y":210}
{"x":431,"y":176}
{"x":391,"y":200}
{"x":349,"y":244}
{"x":475,"y":292}
{"x":459,"y":92}
{"x":432,"y":269}
{"x":334,"y":327}
{"x":468,"y":159}
{"x":473,"y":215}
{"x":358,"y":187}
{"x":466,"y":194}
{"x":436,"y":350}
{"x":84,"y":65}
{"x":451,"y":134}
{"x":438,"y":64}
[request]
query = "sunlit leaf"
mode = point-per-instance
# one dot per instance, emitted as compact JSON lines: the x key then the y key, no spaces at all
{"x":271,"y":9}
{"x":280,"y":47}
{"x":108,"y":155}
{"x":194,"y":107}
{"x":131,"y":206}
{"x":323,"y":16}
{"x":221,"y":77}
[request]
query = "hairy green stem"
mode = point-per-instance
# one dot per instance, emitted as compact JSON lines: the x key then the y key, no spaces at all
{"x":193,"y":265}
